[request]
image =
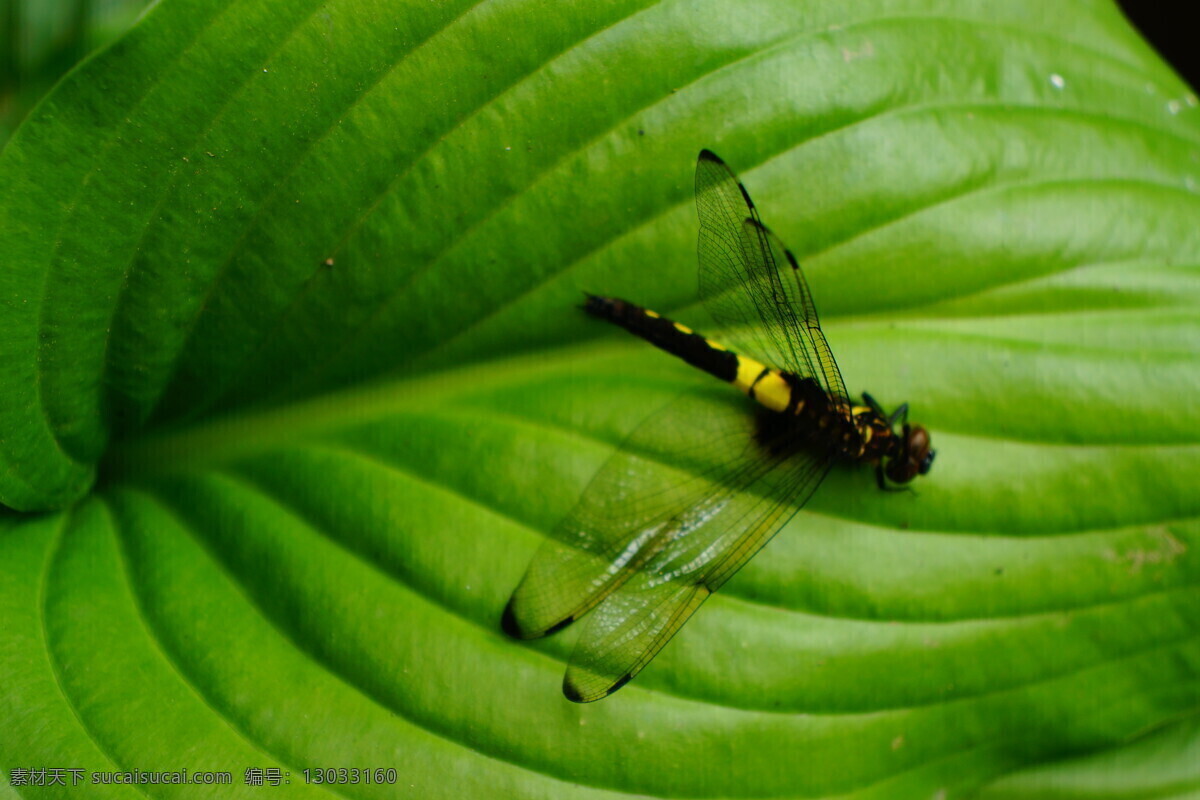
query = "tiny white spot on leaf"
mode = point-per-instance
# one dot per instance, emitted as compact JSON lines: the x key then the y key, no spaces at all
{"x":866,"y":51}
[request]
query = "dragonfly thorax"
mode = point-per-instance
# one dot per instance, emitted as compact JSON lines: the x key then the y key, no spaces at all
{"x":900,"y":451}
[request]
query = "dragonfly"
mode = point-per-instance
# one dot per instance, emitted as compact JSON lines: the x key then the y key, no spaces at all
{"x":700,"y":486}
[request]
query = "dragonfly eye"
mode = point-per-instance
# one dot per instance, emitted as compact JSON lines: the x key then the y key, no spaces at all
{"x":915,"y":458}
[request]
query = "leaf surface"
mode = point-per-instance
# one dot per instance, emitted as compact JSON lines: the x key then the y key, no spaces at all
{"x":293,"y":370}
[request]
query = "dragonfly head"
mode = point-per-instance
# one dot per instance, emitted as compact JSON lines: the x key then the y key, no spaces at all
{"x":914,"y":458}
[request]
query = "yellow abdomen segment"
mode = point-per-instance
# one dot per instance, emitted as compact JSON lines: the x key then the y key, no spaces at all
{"x":765,"y":384}
{"x":762,"y":383}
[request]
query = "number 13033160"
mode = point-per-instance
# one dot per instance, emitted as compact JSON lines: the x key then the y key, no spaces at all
{"x":350,"y":775}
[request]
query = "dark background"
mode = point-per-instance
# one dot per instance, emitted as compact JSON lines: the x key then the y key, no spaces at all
{"x":1170,"y":28}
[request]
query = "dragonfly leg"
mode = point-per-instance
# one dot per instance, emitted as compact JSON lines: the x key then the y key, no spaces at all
{"x":873,"y":404}
{"x":879,"y":478}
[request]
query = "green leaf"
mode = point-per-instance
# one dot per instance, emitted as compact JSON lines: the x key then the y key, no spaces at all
{"x":1160,"y":765}
{"x":297,"y":282}
{"x":40,"y":41}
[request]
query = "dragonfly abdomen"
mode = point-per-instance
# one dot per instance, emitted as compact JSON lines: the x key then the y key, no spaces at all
{"x":765,"y":384}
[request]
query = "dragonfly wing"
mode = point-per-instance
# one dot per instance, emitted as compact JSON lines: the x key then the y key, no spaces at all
{"x":818,"y":355}
{"x":751,"y":283}
{"x":638,"y":619}
{"x":673,"y":473}
{"x":624,"y":634}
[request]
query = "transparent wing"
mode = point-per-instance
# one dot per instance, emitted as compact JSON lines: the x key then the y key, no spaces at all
{"x":819,"y":357}
{"x":753,"y":286}
{"x":674,"y":471}
{"x":687,"y":500}
{"x":637,"y":620}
